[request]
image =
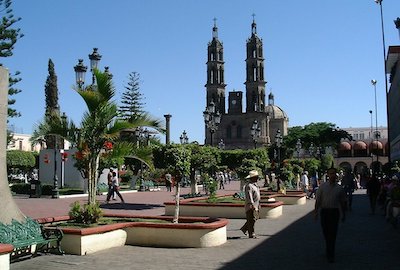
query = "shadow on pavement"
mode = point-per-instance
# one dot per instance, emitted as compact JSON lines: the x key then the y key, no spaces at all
{"x":364,"y":242}
{"x":130,"y":206}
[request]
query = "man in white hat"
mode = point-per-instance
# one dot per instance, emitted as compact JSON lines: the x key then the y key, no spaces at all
{"x":252,"y":205}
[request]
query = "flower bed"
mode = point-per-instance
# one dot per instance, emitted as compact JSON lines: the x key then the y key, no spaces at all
{"x":192,"y":207}
{"x":190,"y":232}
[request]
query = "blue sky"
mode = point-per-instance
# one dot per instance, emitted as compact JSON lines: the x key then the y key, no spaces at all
{"x":320,"y":55}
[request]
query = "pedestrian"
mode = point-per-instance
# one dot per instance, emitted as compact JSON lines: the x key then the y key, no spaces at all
{"x":115,"y":188}
{"x":349,"y":186}
{"x":330,"y":203}
{"x":304,"y":182}
{"x":252,"y":203}
{"x":221,"y":180}
{"x":168,"y":181}
{"x":373,"y":190}
{"x":110,"y":191}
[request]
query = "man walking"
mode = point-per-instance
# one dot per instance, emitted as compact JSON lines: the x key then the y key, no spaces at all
{"x":331,"y":200}
{"x":252,"y":203}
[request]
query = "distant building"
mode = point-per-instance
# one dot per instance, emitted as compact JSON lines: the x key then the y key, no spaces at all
{"x":393,"y":68}
{"x":365,"y":151}
{"x":22,"y":142}
{"x":235,"y":128}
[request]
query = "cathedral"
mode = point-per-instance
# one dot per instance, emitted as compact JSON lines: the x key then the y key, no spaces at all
{"x":260,"y":123}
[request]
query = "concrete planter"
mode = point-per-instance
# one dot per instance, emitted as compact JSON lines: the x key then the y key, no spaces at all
{"x":5,"y":251}
{"x":191,"y":207}
{"x":290,"y":198}
{"x":188,"y":233}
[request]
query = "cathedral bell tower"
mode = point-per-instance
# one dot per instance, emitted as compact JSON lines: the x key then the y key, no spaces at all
{"x":255,"y":84}
{"x":215,"y":85}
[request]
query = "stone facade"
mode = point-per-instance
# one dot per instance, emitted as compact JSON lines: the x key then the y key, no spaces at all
{"x":235,"y":128}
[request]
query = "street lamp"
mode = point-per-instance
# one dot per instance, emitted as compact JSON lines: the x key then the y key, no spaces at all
{"x":212,"y":119}
{"x":255,"y":132}
{"x":221,"y":144}
{"x":184,"y":138}
{"x":55,"y":194}
{"x":80,"y":68}
{"x":311,"y":149}
{"x":298,"y":148}
{"x":278,"y":143}
{"x":373,"y":82}
{"x":370,"y":135}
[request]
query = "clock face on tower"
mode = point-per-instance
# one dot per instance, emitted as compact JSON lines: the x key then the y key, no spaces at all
{"x":233,"y":102}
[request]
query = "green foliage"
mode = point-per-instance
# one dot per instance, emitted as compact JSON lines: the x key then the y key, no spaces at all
{"x":320,"y":134}
{"x":211,"y":186}
{"x":20,"y":188}
{"x":20,"y":159}
{"x":9,"y":35}
{"x":204,"y":158}
{"x":131,"y":107}
{"x":233,"y":158}
{"x":51,"y":90}
{"x":88,"y":214}
{"x":178,"y":160}
{"x":246,"y":166}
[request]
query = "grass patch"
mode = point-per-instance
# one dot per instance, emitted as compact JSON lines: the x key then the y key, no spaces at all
{"x":227,"y":199}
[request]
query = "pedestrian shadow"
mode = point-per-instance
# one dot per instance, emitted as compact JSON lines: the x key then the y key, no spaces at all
{"x":363,"y":241}
{"x":130,"y":206}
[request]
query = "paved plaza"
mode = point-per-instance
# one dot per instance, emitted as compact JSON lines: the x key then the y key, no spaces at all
{"x":292,"y":241}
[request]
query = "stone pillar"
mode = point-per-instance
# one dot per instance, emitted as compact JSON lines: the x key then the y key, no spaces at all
{"x":167,"y":122}
{"x":9,"y":209}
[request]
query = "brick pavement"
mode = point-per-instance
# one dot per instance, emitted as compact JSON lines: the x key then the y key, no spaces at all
{"x":292,"y":241}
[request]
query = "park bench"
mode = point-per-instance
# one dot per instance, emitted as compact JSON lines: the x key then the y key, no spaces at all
{"x":29,"y":238}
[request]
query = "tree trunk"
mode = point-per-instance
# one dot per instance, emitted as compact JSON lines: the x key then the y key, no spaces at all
{"x":9,"y":209}
{"x":177,"y":197}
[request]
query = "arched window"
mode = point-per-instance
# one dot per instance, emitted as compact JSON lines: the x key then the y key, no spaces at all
{"x":254,"y":74}
{"x":239,"y":132}
{"x":229,"y":132}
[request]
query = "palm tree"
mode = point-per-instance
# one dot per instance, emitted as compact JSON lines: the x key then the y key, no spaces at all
{"x":99,"y":130}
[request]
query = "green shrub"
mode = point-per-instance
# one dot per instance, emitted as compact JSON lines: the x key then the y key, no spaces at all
{"x":21,"y":188}
{"x":47,"y":189}
{"x":88,"y":214}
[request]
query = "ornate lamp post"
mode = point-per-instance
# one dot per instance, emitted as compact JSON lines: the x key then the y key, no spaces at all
{"x":298,"y":148}
{"x":80,"y":68}
{"x":311,"y":149}
{"x":184,"y":138}
{"x":55,"y":192}
{"x":376,"y":135}
{"x":212,"y":119}
{"x":221,"y":144}
{"x":278,"y":143}
{"x":255,"y":132}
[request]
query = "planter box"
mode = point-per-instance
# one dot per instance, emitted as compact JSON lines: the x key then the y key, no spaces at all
{"x":5,"y":251}
{"x":190,"y":207}
{"x":290,"y":198}
{"x":190,"y":232}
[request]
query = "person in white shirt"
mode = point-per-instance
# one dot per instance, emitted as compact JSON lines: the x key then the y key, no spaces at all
{"x":252,"y":203}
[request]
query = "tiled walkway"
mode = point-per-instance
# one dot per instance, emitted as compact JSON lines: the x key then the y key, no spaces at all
{"x":292,"y":241}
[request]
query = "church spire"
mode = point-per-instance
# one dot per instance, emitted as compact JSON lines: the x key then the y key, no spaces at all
{"x":254,"y":25}
{"x":215,"y":29}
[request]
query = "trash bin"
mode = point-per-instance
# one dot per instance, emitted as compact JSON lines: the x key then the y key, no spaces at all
{"x":36,"y":189}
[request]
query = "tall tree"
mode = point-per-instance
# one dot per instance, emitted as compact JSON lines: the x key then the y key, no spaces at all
{"x":51,"y":91}
{"x":9,"y":35}
{"x":99,"y":128}
{"x":52,"y":107}
{"x":131,"y":107}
